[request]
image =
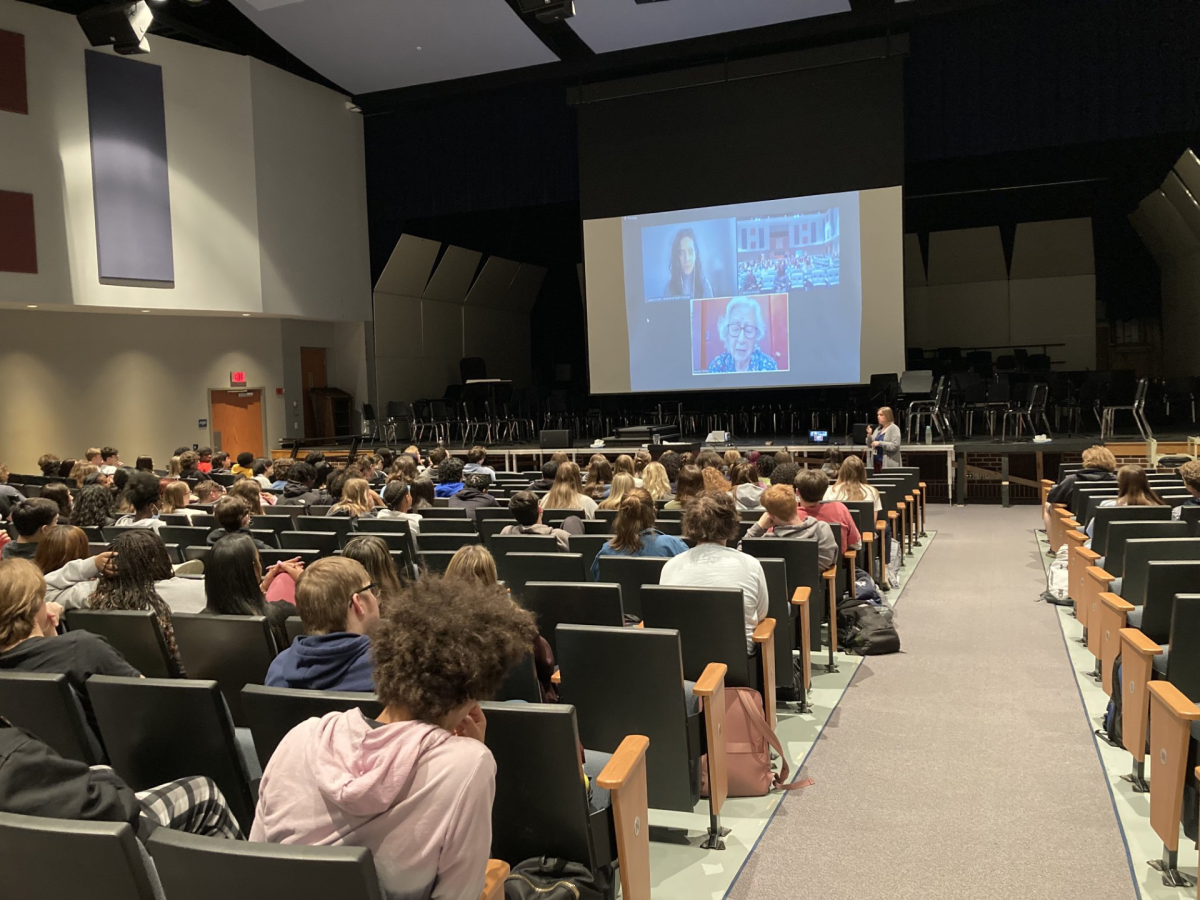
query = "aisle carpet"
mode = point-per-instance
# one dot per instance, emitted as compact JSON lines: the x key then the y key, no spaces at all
{"x":961,"y":767}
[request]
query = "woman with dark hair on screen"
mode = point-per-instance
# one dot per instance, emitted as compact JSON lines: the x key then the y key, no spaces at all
{"x":687,"y":273}
{"x":741,"y":328}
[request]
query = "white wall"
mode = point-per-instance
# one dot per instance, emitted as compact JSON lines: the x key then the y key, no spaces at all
{"x":266,"y":176}
{"x":137,"y":382}
{"x":971,"y":299}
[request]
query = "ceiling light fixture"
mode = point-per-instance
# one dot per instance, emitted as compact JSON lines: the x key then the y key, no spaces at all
{"x":31,"y":306}
{"x":121,"y":25}
{"x":245,"y":315}
{"x":548,"y":11}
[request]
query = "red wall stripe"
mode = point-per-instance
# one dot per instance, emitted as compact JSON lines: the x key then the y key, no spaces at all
{"x":18,"y":238}
{"x":13,"y":95}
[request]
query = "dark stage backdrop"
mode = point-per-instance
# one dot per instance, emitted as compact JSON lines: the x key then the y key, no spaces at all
{"x":813,"y":131}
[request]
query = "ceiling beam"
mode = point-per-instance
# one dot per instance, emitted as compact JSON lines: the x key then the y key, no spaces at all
{"x":559,"y":37}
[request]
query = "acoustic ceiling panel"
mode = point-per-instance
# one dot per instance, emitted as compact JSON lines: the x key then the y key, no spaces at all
{"x":966,"y":255}
{"x":914,"y":262}
{"x":373,"y":45}
{"x":1053,"y":249}
{"x":1183,"y":200}
{"x":407,"y":270}
{"x":491,"y":287}
{"x":608,"y":25}
{"x":452,"y":277}
{"x":1169,"y":224}
{"x":1187,"y":167}
{"x":523,"y":292}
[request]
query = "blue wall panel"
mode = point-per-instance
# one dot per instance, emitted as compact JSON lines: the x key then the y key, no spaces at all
{"x":129,"y":170}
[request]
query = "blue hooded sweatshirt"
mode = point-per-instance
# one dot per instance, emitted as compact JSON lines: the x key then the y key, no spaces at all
{"x":324,"y":662}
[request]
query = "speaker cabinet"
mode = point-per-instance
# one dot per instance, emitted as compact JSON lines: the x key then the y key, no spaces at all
{"x":556,"y":439}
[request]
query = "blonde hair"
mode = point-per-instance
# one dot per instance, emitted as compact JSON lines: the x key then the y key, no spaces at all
{"x":852,"y":480}
{"x":22,"y":593}
{"x":174,"y":468}
{"x":624,"y":463}
{"x":566,"y":490}
{"x":658,"y":485}
{"x":356,"y":498}
{"x":732,"y":458}
{"x":887,"y":411}
{"x":324,"y":591}
{"x":714,"y":480}
{"x":174,"y":496}
{"x":92,"y":451}
{"x":1098,"y":457}
{"x":473,"y":563}
{"x":622,"y":484}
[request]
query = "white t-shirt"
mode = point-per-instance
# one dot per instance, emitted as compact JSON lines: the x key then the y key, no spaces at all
{"x":715,"y":565}
{"x":842,"y":494}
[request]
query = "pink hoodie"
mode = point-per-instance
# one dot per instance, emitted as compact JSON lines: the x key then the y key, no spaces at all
{"x":419,"y":798}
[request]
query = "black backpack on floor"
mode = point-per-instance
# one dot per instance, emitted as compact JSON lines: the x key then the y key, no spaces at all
{"x":549,"y":878}
{"x":1112,"y":715}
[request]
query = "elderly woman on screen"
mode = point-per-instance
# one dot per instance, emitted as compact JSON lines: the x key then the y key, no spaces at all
{"x":741,"y":328}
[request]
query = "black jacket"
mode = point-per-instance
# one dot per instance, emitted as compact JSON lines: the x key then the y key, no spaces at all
{"x":297,"y":494}
{"x":36,"y":781}
{"x":1061,"y":492}
{"x":471,"y":500}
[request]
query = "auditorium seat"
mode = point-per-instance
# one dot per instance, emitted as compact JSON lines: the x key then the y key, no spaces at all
{"x":157,"y":730}
{"x":336,"y":524}
{"x":515,"y":569}
{"x":89,"y":861}
{"x":630,"y":681}
{"x":135,"y":633}
{"x":541,"y":807}
{"x":631,"y":572}
{"x":271,"y":557}
{"x":520,"y":684}
{"x":438,"y":541}
{"x":572,"y":603}
{"x":272,"y":712}
{"x":46,"y":705}
{"x":232,"y":650}
{"x":193,"y":867}
{"x":324,"y":542}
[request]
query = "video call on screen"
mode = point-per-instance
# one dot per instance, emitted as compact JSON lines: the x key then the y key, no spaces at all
{"x":753,"y":294}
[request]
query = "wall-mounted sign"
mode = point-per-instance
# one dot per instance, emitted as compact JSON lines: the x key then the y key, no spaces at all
{"x":203,"y":423}
{"x":237,"y":379}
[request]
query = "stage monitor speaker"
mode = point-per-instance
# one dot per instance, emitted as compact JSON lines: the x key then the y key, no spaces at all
{"x":862,"y":433}
{"x":123,"y":25}
{"x":556,"y":439}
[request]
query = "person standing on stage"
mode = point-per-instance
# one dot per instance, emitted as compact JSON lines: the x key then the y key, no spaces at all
{"x":886,"y":441}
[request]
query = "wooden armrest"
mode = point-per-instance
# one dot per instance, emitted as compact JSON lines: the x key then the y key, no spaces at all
{"x":850,"y":554}
{"x":1139,"y":643}
{"x":710,"y":680}
{"x":493,"y":879}
{"x":556,"y":678}
{"x":1075,"y":535}
{"x":764,"y":631}
{"x":892,"y":514}
{"x":868,"y":537}
{"x":1046,"y":482}
{"x":801,"y":596}
{"x":1174,"y":700}
{"x":1100,"y":575}
{"x":1058,"y":506}
{"x":1087,"y":553}
{"x":1061,"y":509}
{"x":1115,"y":603}
{"x":622,"y":765}
{"x":625,"y":776}
{"x":830,"y":574}
{"x":921,"y":484}
{"x":880,"y":524}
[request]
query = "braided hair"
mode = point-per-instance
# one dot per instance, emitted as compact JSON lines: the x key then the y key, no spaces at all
{"x":141,"y":561}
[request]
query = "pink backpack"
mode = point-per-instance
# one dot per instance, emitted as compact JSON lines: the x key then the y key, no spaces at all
{"x":749,"y":741}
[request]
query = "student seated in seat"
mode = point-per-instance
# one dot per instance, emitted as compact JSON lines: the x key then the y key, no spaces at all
{"x":689,"y":486}
{"x":33,"y":520}
{"x":711,"y":520}
{"x":398,"y":503}
{"x":1133,"y":489}
{"x":634,"y":533}
{"x":30,"y":642}
{"x":142,"y":493}
{"x":233,"y":517}
{"x":337,"y":604}
{"x":474,"y":494}
{"x":549,"y":470}
{"x":414,"y":786}
{"x":1099,"y":465}
{"x":567,"y":492}
{"x":476,"y":459}
{"x":93,"y":508}
{"x":301,"y":489}
{"x":235,"y":584}
{"x":1190,"y":473}
{"x":450,"y":477}
{"x":811,"y":485}
{"x":782,"y":519}
{"x":524,"y":508}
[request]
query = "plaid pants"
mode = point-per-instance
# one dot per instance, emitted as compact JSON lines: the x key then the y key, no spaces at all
{"x":195,"y":805}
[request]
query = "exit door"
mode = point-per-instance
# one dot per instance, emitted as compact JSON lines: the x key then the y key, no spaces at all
{"x":237,"y":421}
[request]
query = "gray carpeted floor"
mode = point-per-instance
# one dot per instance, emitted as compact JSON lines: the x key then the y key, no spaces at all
{"x":963,"y":766}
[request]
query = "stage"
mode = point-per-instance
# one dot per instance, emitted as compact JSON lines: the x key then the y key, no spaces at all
{"x":976,"y":469}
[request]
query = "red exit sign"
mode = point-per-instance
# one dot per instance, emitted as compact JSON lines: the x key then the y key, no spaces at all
{"x":237,"y":379}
